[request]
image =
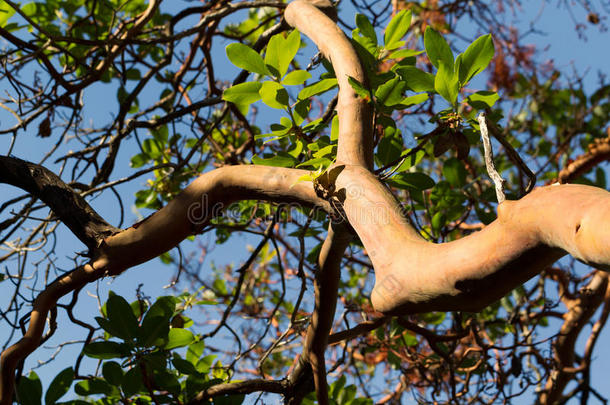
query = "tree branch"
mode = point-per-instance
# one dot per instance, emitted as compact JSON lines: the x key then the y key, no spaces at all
{"x":242,"y":387}
{"x":413,"y":275}
{"x":188,"y":213}
{"x":89,"y":227}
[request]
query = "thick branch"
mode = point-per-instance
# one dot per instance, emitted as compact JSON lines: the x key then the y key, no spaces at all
{"x":68,"y":205}
{"x":188,"y":213}
{"x":355,"y":146}
{"x":413,"y":275}
{"x":201,"y":201}
{"x":326,"y":286}
{"x":355,"y":116}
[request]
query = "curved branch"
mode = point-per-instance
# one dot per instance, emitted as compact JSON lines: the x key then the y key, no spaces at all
{"x":598,"y":151}
{"x":413,"y":275}
{"x":355,"y":115}
{"x":188,"y":213}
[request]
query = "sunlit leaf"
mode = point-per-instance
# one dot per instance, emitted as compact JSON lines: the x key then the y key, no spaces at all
{"x":243,"y":93}
{"x":246,"y":58}
{"x":438,"y":49}
{"x":59,"y":386}
{"x":446,"y":83}
{"x":476,"y":58}
{"x":179,"y":337}
{"x":274,"y":95}
{"x":397,"y":28}
{"x":317,"y":88}
{"x":296,"y":77}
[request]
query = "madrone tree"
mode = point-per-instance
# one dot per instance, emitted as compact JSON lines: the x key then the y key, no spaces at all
{"x":372,"y":185}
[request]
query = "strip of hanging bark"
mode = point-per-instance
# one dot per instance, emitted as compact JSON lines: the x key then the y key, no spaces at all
{"x":514,"y":156}
{"x":489,"y":159}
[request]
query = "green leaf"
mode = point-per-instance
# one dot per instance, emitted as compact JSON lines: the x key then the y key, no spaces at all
{"x":92,"y":386}
{"x":412,"y":181}
{"x":6,"y":12}
{"x":139,"y":160}
{"x":282,"y":159}
{"x":179,"y":337}
{"x":366,"y":28}
{"x":397,"y":28}
{"x":411,"y":160}
{"x":243,"y":94}
{"x":183,"y":366}
{"x":438,"y":49}
{"x":133,"y":74}
{"x":446,"y":83}
{"x":476,"y":58}
{"x":405,"y":53}
{"x":194,"y":351}
{"x":412,"y":100}
{"x":274,"y":95}
{"x":155,"y":326}
{"x":167,"y":381}
{"x":483,"y":99}
{"x":112,"y":372}
{"x":106,"y":350}
{"x":316,"y":163}
{"x":280,"y":52}
{"x":132,"y":382}
{"x":246,"y":58}
{"x":438,"y":221}
{"x":327,"y":151}
{"x":164,"y":306}
{"x":317,"y":88}
{"x":359,"y":88}
{"x":334,"y":128}
{"x":29,"y":389}
{"x":455,"y":172}
{"x":417,"y":80}
{"x":59,"y":386}
{"x":296,"y":77}
{"x":301,"y":111}
{"x":390,"y":147}
{"x":273,"y":54}
{"x":121,"y":317}
{"x":391,"y":92}
{"x":205,"y":363}
{"x":291,"y":47}
{"x":154,"y":331}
